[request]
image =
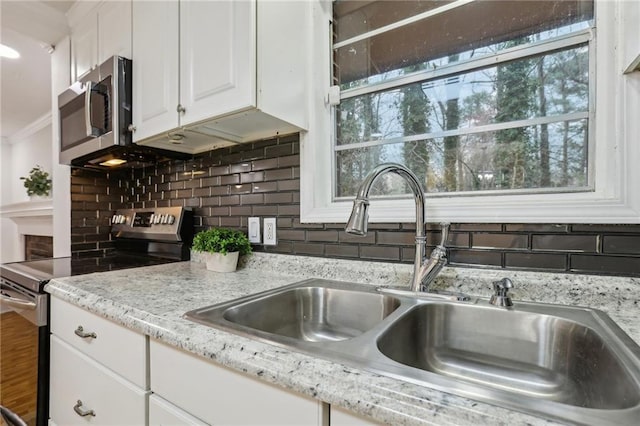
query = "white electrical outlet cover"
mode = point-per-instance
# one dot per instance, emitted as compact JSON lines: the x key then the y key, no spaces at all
{"x":269,"y":231}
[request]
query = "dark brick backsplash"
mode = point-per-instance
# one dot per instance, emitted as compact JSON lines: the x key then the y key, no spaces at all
{"x":262,"y":179}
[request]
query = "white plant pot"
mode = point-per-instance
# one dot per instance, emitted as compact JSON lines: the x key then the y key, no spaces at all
{"x":219,"y":262}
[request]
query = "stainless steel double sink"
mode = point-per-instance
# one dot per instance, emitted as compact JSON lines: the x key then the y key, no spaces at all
{"x":560,"y":362}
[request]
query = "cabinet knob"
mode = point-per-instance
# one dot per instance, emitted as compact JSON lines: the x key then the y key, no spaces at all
{"x":180,"y":109}
{"x":81,"y":333}
{"x":131,"y":128}
{"x":83,"y":413}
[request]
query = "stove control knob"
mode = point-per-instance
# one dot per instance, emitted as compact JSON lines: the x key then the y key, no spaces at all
{"x":164,"y":219}
{"x":114,"y":219}
{"x":123,"y":219}
{"x":157,"y":219}
{"x":171,"y":219}
{"x":151,"y":219}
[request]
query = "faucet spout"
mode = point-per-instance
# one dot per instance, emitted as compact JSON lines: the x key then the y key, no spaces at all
{"x":424,"y":271}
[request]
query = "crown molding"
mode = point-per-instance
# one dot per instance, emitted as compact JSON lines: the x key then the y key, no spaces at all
{"x":30,"y":129}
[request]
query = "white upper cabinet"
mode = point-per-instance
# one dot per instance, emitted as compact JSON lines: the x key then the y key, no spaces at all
{"x":98,"y":31}
{"x":84,"y":47}
{"x":114,"y":30}
{"x":217,"y":58}
{"x":155,"y":67}
{"x":212,"y":74}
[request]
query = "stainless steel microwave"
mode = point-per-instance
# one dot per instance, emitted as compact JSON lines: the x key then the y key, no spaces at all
{"x":95,"y":113}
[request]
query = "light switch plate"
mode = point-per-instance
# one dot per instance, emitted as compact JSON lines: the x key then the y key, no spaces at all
{"x":254,"y":230}
{"x":269,"y":231}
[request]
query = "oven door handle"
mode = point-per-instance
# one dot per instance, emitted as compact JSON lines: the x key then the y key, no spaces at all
{"x":16,"y":300}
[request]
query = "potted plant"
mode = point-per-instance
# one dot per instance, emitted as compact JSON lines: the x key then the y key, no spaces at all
{"x":37,"y":182}
{"x":221,"y":247}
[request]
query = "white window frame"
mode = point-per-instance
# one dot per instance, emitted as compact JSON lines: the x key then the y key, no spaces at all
{"x":615,"y":131}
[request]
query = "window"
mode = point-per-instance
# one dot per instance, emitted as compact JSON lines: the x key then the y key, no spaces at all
{"x":471,"y":96}
{"x":492,"y":103}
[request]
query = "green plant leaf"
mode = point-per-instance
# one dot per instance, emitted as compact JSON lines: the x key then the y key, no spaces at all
{"x":221,"y":240}
{"x":37,"y":182}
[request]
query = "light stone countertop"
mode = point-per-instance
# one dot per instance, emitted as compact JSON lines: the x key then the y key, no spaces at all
{"x":152,"y":300}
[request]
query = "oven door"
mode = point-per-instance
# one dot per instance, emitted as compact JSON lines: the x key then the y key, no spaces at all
{"x":31,"y":306}
{"x":24,"y":352}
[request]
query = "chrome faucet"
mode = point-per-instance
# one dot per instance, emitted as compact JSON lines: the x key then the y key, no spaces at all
{"x":424,"y":270}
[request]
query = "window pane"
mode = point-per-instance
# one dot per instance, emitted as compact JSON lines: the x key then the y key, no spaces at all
{"x":469,"y":31}
{"x":360,"y":16}
{"x":541,"y":86}
{"x":533,"y":157}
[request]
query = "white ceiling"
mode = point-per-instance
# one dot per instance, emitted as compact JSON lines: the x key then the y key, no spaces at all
{"x":30,"y":27}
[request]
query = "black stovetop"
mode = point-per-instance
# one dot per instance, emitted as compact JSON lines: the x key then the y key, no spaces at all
{"x":34,"y":274}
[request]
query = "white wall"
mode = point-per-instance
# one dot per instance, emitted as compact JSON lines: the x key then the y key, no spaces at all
{"x":20,"y":154}
{"x":6,"y":150}
{"x":60,"y":81}
{"x":25,"y":152}
{"x":37,"y":144}
{"x":11,"y":248}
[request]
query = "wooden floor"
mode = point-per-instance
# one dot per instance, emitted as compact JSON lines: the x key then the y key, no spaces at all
{"x":18,"y":365}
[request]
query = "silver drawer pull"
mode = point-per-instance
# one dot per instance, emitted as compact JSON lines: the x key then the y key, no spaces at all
{"x":83,"y":413}
{"x":81,"y":333}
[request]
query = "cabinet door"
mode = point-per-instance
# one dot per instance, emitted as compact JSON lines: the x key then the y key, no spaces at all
{"x":219,"y":395}
{"x":114,"y":30}
{"x":78,"y":381}
{"x":117,"y":347}
{"x":163,"y":413}
{"x":155,"y":67}
{"x":84,"y":46}
{"x":217,"y":58}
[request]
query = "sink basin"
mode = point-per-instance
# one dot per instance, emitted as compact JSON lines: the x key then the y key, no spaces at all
{"x":560,"y":362}
{"x":528,"y":353}
{"x":314,"y":314}
{"x":305,"y":313}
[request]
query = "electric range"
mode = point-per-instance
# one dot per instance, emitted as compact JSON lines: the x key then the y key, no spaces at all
{"x":142,"y":237}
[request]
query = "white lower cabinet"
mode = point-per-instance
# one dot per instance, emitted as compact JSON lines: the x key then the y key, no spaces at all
{"x":218,"y":395}
{"x":85,"y":392}
{"x":164,"y":413}
{"x":99,"y":370}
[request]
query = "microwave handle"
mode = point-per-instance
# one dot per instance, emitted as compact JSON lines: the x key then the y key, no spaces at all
{"x":92,"y":132}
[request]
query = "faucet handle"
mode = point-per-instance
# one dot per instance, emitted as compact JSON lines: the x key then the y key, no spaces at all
{"x":501,"y":290}
{"x":502,"y":286}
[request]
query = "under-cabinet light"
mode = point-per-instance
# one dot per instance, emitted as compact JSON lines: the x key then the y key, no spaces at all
{"x":113,"y":162}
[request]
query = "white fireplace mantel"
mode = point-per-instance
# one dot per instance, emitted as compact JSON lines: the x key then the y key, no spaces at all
{"x":33,"y":217}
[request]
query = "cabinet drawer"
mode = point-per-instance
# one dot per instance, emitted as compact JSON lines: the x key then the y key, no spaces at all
{"x":115,"y":346}
{"x":164,"y":413}
{"x":76,"y":377}
{"x":219,"y":395}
